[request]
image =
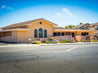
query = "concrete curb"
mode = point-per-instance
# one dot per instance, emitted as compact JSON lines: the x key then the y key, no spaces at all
{"x":79,"y":43}
{"x":18,"y":45}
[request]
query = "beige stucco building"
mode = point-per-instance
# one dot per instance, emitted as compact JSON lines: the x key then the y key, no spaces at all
{"x":40,"y":29}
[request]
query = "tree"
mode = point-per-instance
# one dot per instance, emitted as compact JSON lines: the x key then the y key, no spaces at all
{"x":81,"y":23}
{"x":69,"y":26}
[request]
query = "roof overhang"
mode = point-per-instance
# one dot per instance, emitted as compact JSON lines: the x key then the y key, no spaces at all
{"x":14,"y":30}
{"x":62,"y":30}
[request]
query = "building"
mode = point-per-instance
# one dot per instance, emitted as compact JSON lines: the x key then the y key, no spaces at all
{"x":83,"y":26}
{"x":40,"y":29}
{"x":94,"y":27}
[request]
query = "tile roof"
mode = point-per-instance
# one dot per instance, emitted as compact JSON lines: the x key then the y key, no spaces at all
{"x":26,"y":23}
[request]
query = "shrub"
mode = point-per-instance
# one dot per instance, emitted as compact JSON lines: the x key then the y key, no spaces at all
{"x":47,"y":42}
{"x":65,"y":41}
{"x":54,"y":42}
{"x":51,"y":38}
{"x":43,"y":41}
{"x":36,"y":42}
{"x":85,"y":41}
{"x":94,"y":40}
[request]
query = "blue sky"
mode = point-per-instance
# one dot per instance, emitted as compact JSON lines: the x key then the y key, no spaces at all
{"x":61,"y":12}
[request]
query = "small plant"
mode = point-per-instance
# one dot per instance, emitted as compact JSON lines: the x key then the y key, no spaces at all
{"x":43,"y":41}
{"x":84,"y":41}
{"x":51,"y":42}
{"x":66,"y":41}
{"x":94,"y":40}
{"x":51,"y":38}
{"x":36,"y":42}
{"x":47,"y":42}
{"x":54,"y":42}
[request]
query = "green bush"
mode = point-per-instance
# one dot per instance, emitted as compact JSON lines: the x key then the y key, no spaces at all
{"x":47,"y":42}
{"x":43,"y":41}
{"x":66,"y":41}
{"x":51,"y":38}
{"x":85,"y":41}
{"x":36,"y":42}
{"x":53,"y":42}
{"x":94,"y":40}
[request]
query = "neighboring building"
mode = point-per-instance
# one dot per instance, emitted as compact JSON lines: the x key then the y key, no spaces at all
{"x":40,"y":29}
{"x":94,"y":27}
{"x":83,"y":26}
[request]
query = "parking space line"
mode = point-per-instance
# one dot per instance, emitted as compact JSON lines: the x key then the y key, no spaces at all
{"x":68,"y":50}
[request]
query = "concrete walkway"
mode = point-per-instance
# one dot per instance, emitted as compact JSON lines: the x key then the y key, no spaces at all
{"x":14,"y":45}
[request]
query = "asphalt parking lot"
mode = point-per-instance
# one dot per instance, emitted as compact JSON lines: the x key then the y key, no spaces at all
{"x":49,"y":59}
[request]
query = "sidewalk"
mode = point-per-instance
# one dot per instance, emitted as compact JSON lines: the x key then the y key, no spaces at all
{"x":16,"y":45}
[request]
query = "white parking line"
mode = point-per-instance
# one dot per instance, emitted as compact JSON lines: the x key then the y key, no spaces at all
{"x":68,"y":50}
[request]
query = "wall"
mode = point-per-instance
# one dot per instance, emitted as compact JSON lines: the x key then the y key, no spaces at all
{"x":63,"y":37}
{"x":37,"y":25}
{"x":12,"y":38}
{"x":22,"y":37}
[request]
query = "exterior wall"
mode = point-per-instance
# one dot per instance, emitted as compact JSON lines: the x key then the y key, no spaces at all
{"x":63,"y":37}
{"x":12,"y":38}
{"x":45,"y":25}
{"x":78,"y":36}
{"x":22,"y":37}
{"x":94,"y":29}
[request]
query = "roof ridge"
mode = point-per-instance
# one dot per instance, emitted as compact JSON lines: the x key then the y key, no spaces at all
{"x":24,"y":23}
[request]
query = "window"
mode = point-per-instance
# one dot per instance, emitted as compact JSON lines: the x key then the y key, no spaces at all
{"x":58,"y":33}
{"x":40,"y":33}
{"x":5,"y":34}
{"x":54,"y":34}
{"x":40,"y":22}
{"x":45,"y":33}
{"x":87,"y":33}
{"x":62,"y":34}
{"x":96,"y":28}
{"x":35,"y":33}
{"x":84,"y":33}
{"x":68,"y":33}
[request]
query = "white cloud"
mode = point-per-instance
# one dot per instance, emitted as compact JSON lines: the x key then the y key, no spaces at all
{"x":59,"y":14}
{"x":67,"y":11}
{"x":3,"y":6}
{"x":6,"y":7}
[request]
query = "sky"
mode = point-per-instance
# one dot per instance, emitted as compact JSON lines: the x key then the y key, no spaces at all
{"x":61,"y":12}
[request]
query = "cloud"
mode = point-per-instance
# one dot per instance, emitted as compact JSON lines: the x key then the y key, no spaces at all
{"x":6,"y":7}
{"x":67,"y":11}
{"x":58,"y":13}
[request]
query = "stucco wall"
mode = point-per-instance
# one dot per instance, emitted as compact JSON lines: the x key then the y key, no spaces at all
{"x":37,"y":25}
{"x":12,"y":38}
{"x":22,"y":37}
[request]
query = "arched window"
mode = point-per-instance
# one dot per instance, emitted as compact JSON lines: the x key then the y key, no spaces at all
{"x":35,"y":33}
{"x":40,"y":33}
{"x":45,"y":33}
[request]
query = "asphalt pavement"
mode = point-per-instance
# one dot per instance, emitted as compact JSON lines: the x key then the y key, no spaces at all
{"x":49,"y":59}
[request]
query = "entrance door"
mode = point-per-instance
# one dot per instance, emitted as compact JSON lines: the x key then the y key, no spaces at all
{"x":73,"y":35}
